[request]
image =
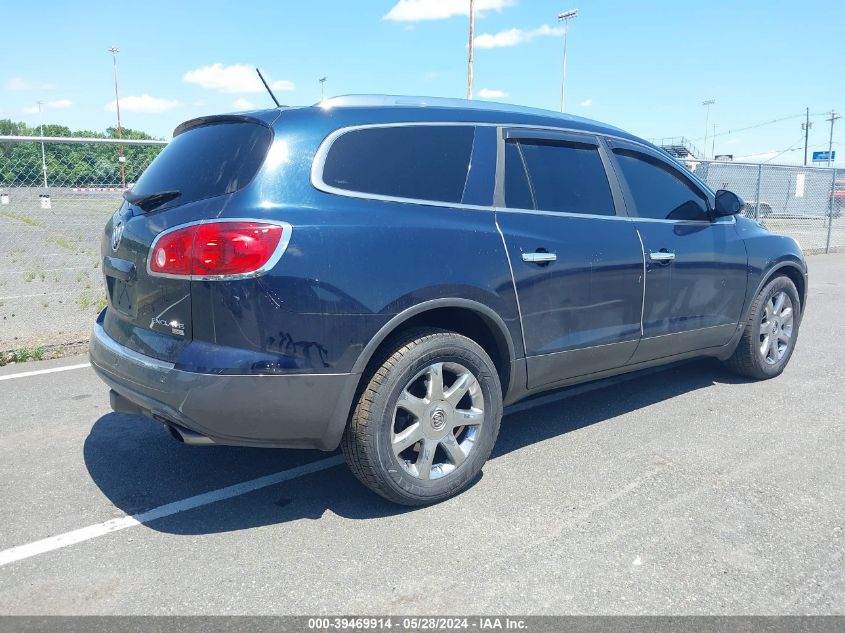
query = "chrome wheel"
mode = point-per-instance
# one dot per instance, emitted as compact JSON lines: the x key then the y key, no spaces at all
{"x":776,"y":328}
{"x":437,"y":420}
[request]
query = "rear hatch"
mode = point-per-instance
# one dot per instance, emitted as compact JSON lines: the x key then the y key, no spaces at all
{"x":193,"y":179}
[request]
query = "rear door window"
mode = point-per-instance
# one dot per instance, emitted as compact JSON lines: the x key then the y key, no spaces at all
{"x":659,"y":191}
{"x":207,"y":161}
{"x":420,"y":162}
{"x":563,"y":176}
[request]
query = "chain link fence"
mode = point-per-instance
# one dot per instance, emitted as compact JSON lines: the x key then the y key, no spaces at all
{"x":807,"y":203}
{"x":51,"y":285}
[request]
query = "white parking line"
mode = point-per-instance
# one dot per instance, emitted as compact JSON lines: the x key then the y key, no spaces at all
{"x":59,"y":541}
{"x":73,"y":537}
{"x":38,"y":372}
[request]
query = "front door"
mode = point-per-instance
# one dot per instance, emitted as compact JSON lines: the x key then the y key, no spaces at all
{"x":577,"y":265}
{"x":696,"y":266}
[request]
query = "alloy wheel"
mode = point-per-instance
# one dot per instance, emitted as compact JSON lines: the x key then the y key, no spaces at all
{"x":437,"y":420}
{"x":776,"y":328}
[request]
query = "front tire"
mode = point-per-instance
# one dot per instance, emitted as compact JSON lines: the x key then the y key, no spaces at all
{"x":768,"y":339}
{"x":427,"y":419}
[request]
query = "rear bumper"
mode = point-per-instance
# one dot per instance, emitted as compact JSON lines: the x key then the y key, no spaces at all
{"x":284,"y":410}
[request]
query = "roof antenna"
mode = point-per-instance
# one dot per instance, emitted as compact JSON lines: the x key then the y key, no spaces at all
{"x":272,"y":96}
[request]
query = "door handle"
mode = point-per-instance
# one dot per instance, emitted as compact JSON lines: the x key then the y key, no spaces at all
{"x":539,"y":257}
{"x":661,"y":256}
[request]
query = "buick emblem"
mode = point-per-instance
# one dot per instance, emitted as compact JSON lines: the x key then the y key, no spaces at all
{"x":116,"y":235}
{"x":438,"y":419}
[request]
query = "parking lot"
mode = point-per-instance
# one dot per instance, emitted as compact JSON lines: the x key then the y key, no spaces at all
{"x":682,"y":490}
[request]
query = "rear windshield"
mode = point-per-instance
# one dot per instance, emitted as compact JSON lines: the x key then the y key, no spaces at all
{"x":428,"y":162}
{"x":207,"y":161}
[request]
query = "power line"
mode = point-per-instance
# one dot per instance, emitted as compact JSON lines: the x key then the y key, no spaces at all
{"x":791,"y":148}
{"x":763,"y":124}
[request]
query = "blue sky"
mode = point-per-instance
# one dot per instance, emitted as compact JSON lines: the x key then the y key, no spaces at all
{"x":645,"y":66}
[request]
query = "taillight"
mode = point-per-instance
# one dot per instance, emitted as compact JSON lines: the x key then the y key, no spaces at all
{"x":222,"y":249}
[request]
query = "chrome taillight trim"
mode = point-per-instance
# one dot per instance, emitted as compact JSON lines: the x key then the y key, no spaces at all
{"x":287,"y":230}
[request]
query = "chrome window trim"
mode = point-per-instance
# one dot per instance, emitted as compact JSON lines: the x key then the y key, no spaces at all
{"x":319,"y":161}
{"x":562,"y":214}
{"x":281,"y":247}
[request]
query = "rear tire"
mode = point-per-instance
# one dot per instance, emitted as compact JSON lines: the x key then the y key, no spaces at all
{"x":770,"y":333}
{"x":427,"y":419}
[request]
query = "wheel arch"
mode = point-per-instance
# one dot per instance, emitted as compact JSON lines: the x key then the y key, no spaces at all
{"x":463,"y":316}
{"x":794,"y":273}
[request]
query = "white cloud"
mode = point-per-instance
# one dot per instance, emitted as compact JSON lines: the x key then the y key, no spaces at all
{"x":586,"y":103}
{"x":234,"y":78}
{"x":17,"y":84}
{"x":489,"y":93}
{"x":416,"y":10}
{"x":30,"y":110}
{"x":143,"y":103}
{"x":243,"y":104}
{"x":513,"y":37}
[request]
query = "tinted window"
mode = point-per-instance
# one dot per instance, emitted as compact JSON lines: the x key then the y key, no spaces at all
{"x":660,"y":191}
{"x":207,"y":161}
{"x":567,"y":177}
{"x":517,"y":190}
{"x":421,"y":162}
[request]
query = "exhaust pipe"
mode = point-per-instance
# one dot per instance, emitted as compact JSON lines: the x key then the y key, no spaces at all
{"x":186,"y":436}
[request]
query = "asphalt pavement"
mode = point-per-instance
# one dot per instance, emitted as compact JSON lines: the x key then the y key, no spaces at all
{"x":684,"y":490}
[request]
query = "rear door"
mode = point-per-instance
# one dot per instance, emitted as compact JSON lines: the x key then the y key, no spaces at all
{"x":193,"y":179}
{"x":696,"y":265}
{"x":577,"y":264}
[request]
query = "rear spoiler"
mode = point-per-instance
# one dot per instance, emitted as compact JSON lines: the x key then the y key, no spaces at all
{"x":264,"y":117}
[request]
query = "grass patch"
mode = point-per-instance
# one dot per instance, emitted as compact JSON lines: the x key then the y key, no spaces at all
{"x":22,"y":355}
{"x":89,"y":299}
{"x":65,"y":244}
{"x":22,"y":218}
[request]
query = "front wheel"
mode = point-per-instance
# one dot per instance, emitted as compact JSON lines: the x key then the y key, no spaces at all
{"x":768,"y":339}
{"x":427,"y":419}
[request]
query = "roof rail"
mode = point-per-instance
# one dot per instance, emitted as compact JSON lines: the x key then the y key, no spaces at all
{"x":375,"y":101}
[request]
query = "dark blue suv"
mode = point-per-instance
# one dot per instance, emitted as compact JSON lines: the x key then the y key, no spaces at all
{"x":385,"y":273}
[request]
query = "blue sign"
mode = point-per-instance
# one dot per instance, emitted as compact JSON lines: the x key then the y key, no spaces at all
{"x":824,"y":156}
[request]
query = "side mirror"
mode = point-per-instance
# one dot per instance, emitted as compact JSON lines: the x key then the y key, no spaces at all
{"x":727,"y":203}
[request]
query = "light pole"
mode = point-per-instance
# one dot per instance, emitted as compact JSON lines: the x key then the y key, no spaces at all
{"x":565,"y":17}
{"x":322,"y":81}
{"x":471,"y":38}
{"x":707,"y":105}
{"x":43,"y":155}
{"x":114,"y":50}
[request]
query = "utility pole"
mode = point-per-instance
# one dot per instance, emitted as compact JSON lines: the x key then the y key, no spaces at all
{"x":713,"y":144}
{"x":832,"y":119}
{"x":43,"y":155}
{"x":806,"y":127}
{"x":471,"y":43}
{"x":114,"y":50}
{"x":565,"y":17}
{"x":707,"y":104}
{"x":322,"y":81}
